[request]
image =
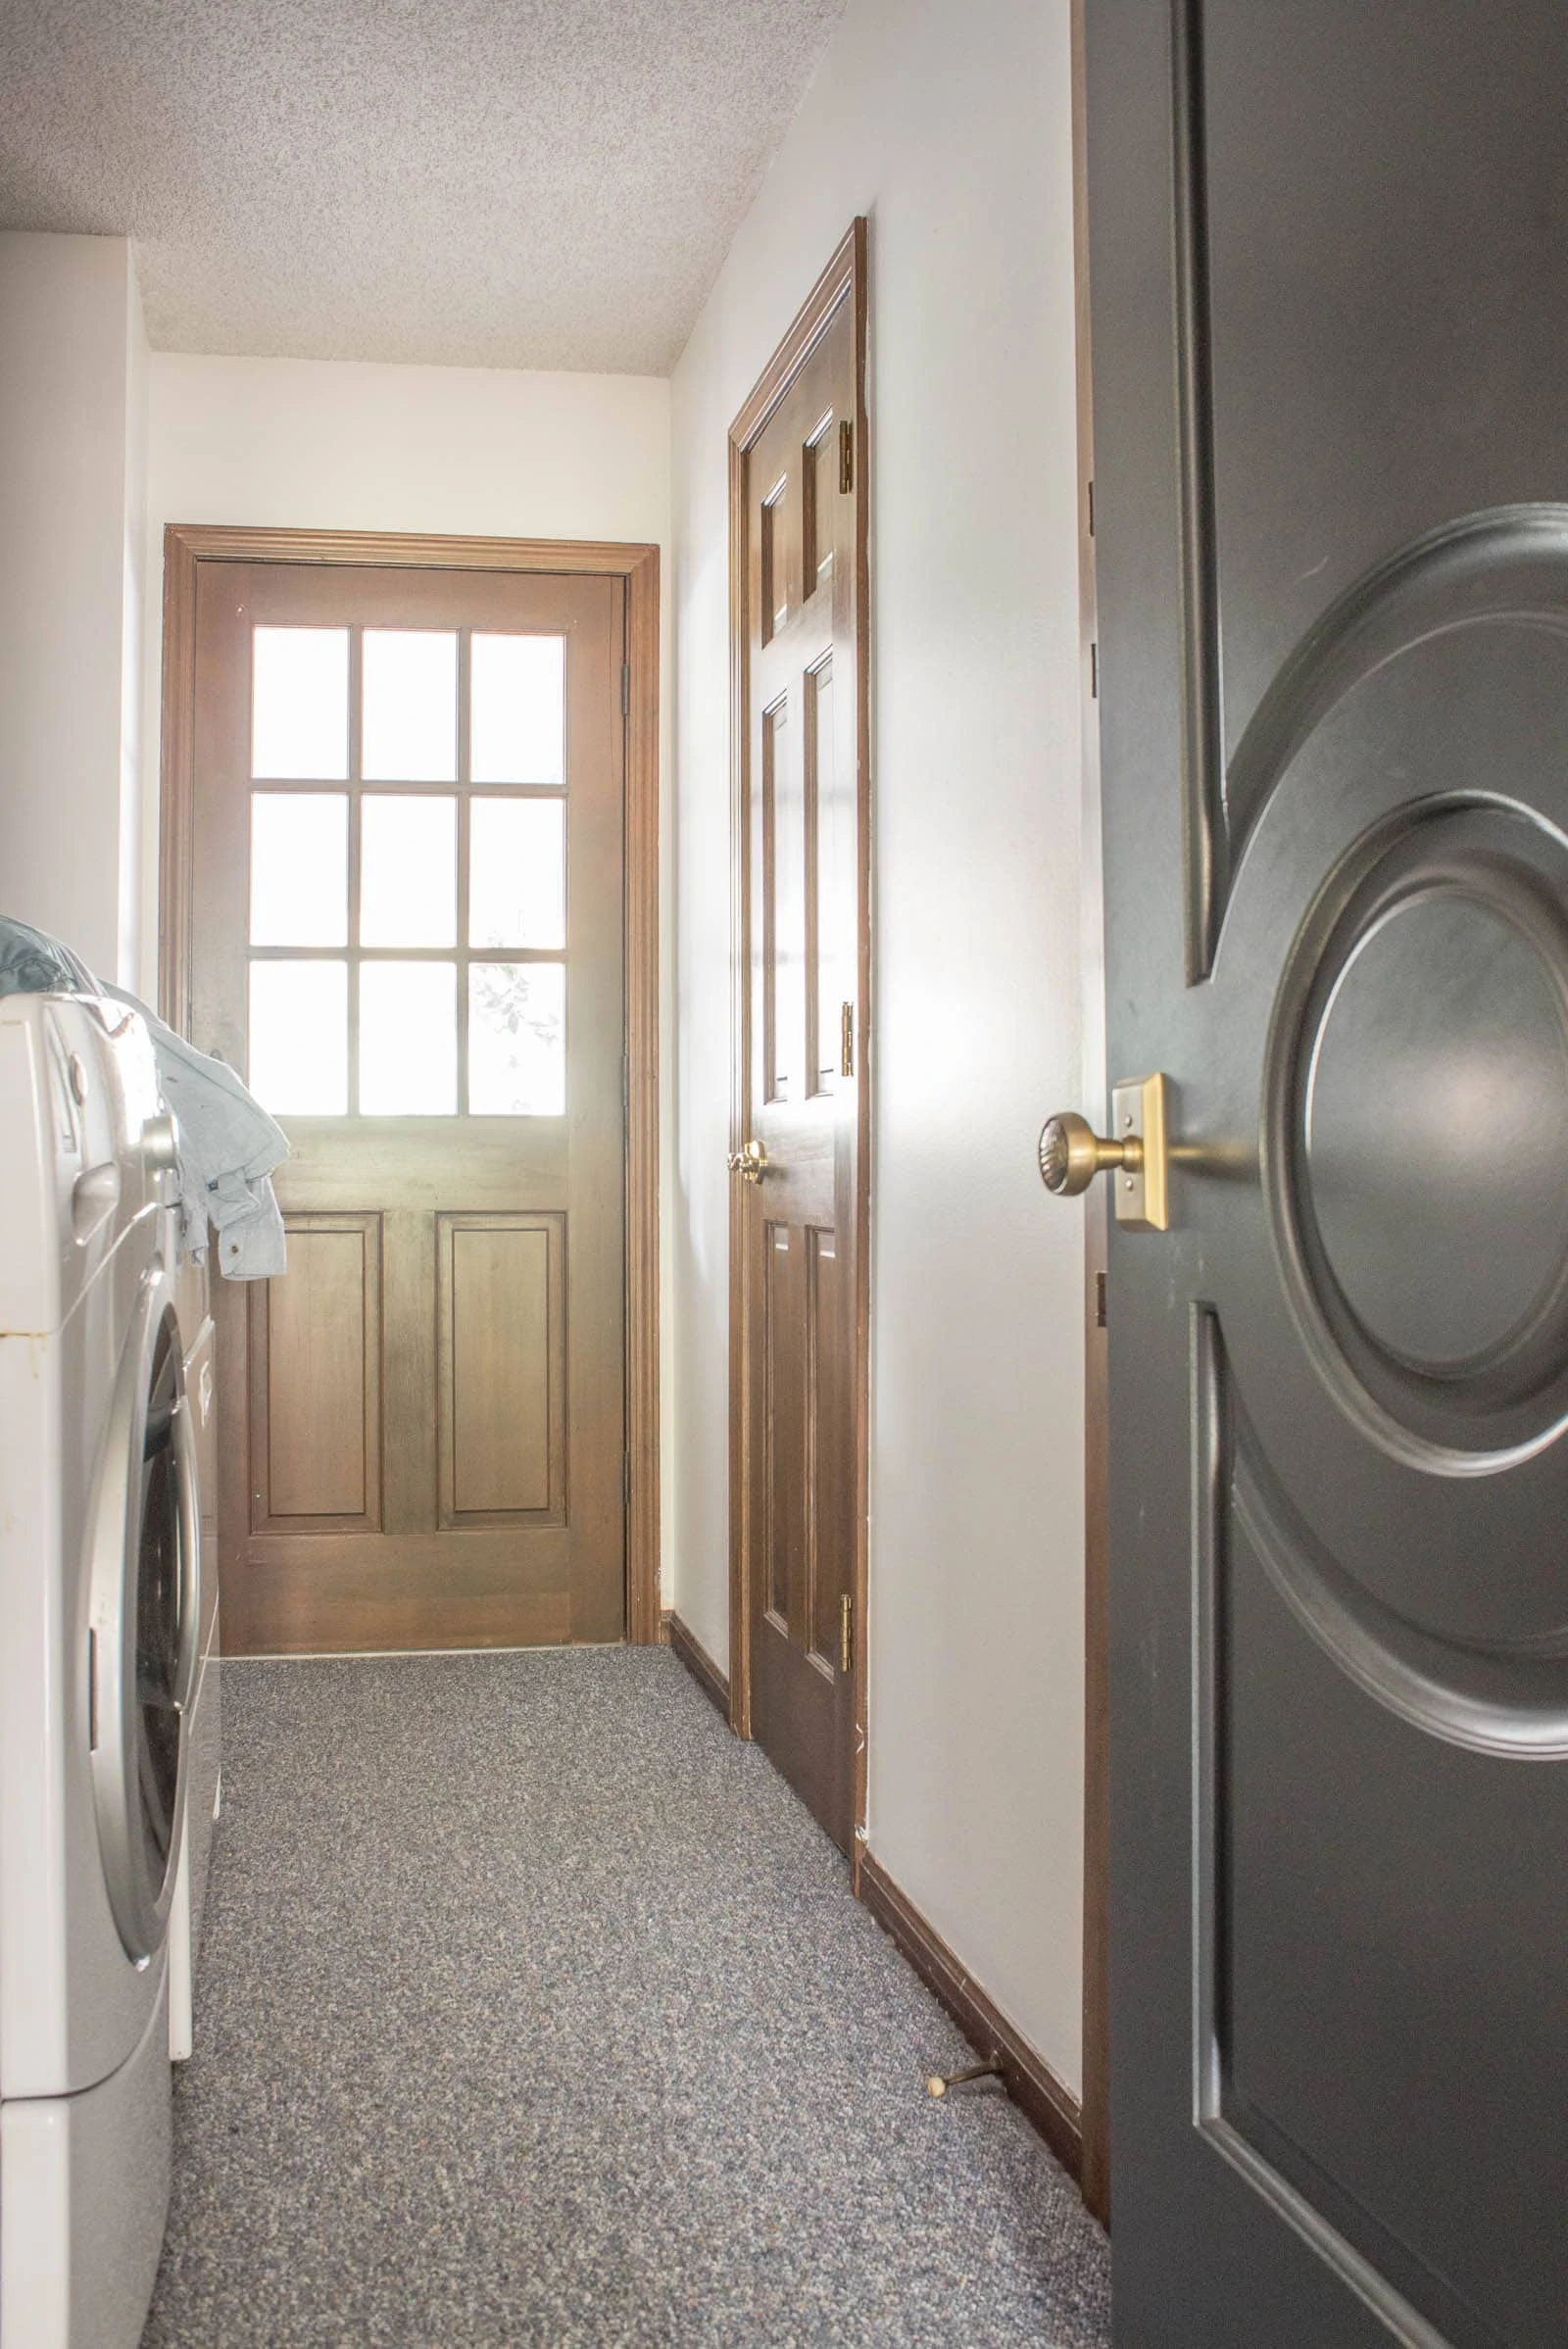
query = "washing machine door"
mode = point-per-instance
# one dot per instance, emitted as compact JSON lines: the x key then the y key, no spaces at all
{"x":144,"y":1620}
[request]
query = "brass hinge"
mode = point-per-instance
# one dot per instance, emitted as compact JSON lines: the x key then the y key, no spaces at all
{"x":1094,"y":671}
{"x":846,"y":1634}
{"x":625,"y":689}
{"x":846,"y":456}
{"x":1100,"y":1300}
{"x":846,"y":1041}
{"x":1091,"y":510}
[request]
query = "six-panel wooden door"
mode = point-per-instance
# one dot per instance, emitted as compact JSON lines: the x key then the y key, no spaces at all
{"x":407,"y":888}
{"x":797,"y":1185}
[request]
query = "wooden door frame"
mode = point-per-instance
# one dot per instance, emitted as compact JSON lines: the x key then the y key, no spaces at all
{"x":844,"y":280}
{"x":188,"y":545}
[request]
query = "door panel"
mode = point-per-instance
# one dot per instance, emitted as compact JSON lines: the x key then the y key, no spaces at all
{"x":315,"y":1357}
{"x":800,"y":1228}
{"x":1334,"y":694}
{"x":410,"y":892}
{"x":501,"y":1286}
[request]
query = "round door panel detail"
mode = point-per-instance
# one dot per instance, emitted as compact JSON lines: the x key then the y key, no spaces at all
{"x":1435,"y":1129}
{"x":1370,"y":1154}
{"x":1416,"y":1127}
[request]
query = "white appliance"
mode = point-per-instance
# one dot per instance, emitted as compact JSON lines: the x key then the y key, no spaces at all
{"x":203,"y":1721}
{"x":100,"y":1649}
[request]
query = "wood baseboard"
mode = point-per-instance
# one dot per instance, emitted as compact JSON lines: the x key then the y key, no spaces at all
{"x":1029,"y":2080}
{"x":713,"y":1684}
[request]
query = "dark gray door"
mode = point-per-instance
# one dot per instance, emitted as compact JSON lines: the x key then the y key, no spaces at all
{"x":1330,"y":300}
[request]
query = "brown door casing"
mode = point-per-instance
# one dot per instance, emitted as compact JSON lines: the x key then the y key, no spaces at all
{"x":798,"y":1254}
{"x":432,"y":1406}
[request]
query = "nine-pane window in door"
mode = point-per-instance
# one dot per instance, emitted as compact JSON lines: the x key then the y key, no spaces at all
{"x":407,"y":903}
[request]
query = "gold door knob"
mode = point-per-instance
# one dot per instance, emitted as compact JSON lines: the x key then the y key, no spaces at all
{"x":1072,"y":1153}
{"x":750,"y":1163}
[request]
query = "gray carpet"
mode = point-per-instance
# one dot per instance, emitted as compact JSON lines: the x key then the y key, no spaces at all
{"x":534,"y":2009}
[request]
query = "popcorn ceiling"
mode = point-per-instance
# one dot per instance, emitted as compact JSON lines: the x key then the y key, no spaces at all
{"x":527,"y":183}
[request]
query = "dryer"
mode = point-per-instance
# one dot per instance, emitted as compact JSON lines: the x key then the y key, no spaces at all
{"x":203,"y":1721}
{"x":100,"y":1615}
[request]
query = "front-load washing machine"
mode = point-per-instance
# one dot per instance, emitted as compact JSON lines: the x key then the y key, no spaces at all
{"x":203,"y":1719}
{"x":100,"y":1617}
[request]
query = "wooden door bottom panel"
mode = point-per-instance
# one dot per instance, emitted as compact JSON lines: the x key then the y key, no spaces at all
{"x":353,"y":1593}
{"x":799,"y":1718}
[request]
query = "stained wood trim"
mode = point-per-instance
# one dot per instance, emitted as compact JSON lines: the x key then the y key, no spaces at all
{"x":699,"y":1663}
{"x":1096,"y":2115}
{"x":187,"y":545}
{"x":739,"y":1500}
{"x":643,"y":1518}
{"x":176,"y":841}
{"x":391,"y":551}
{"x":1028,"y":2079}
{"x":845,"y":274}
{"x":843,"y":278}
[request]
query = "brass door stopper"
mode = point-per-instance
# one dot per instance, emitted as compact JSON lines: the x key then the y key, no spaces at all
{"x":939,"y":2083}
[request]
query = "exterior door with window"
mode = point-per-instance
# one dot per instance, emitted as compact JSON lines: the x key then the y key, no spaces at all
{"x":408,"y":932}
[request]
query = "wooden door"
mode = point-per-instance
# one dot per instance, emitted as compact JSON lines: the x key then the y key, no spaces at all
{"x":798,"y":1168}
{"x":1330,"y":270}
{"x":407,"y":930}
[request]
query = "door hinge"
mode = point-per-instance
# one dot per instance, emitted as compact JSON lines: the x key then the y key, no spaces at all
{"x":1094,"y":671}
{"x":846,"y":456}
{"x":625,"y":1480}
{"x":1091,"y":510}
{"x":625,"y":689}
{"x":846,"y":1041}
{"x":1100,"y":1300}
{"x":846,"y":1634}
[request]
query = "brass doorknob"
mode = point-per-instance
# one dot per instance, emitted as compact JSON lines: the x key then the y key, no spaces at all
{"x":750,"y":1163}
{"x":1072,"y":1153}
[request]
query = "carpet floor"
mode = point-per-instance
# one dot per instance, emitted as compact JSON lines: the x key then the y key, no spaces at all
{"x":533,"y":2008}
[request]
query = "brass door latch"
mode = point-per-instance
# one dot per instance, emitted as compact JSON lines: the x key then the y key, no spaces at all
{"x":1135,"y":1154}
{"x":750,"y":1163}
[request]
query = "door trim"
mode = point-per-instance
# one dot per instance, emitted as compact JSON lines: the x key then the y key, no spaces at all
{"x":843,"y":278}
{"x":188,"y":545}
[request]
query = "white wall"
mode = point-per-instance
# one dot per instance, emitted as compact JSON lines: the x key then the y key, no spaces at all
{"x":950,"y":128}
{"x":73,"y":360}
{"x":313,"y":444}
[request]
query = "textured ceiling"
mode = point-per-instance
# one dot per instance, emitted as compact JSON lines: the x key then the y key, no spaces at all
{"x":540,"y":183}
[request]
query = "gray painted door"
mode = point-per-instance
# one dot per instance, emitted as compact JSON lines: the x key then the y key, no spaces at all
{"x":1330,"y":300}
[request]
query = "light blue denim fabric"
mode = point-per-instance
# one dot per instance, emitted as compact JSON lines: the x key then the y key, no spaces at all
{"x":229,"y":1146}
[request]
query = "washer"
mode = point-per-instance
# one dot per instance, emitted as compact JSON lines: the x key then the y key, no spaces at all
{"x":100,"y":1615}
{"x":205,"y":1719}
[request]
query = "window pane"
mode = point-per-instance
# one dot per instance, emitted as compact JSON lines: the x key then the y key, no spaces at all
{"x":517,"y":710}
{"x":517,"y":874}
{"x":300,"y":704}
{"x":299,"y":868}
{"x":407,"y":870}
{"x":300,"y":1038}
{"x":411,"y":705}
{"x":518,"y":1038}
{"x":408,"y":1039}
